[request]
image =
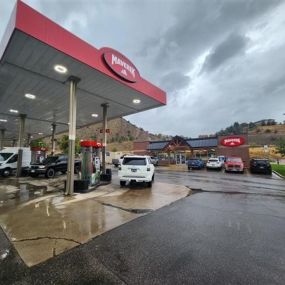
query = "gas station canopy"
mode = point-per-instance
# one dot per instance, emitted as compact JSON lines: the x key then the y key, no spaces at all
{"x":37,"y":59}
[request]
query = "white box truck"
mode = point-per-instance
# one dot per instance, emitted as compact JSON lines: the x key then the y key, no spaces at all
{"x":9,"y":159}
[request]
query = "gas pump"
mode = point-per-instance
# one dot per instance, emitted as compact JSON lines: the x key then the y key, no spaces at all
{"x":91,"y":164}
{"x":39,"y":153}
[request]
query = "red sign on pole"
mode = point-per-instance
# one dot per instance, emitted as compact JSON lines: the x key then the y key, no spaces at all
{"x":121,"y":65}
{"x":232,"y":141}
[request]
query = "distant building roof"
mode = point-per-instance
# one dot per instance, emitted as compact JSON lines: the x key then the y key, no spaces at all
{"x":157,"y":145}
{"x":193,"y":143}
{"x":205,"y":142}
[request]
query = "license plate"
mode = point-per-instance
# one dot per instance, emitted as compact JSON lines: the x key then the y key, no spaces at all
{"x":261,"y":167}
{"x":32,"y":170}
{"x":134,"y":170}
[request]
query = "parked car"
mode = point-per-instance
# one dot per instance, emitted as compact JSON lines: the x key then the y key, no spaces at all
{"x":9,"y":160}
{"x":116,"y":162}
{"x":51,"y":165}
{"x":234,"y":164}
{"x":195,"y":163}
{"x":214,"y":163}
{"x":260,"y":165}
{"x":136,"y":168}
{"x":154,"y":160}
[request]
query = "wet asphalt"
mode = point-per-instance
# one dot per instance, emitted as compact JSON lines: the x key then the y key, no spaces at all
{"x":230,"y":231}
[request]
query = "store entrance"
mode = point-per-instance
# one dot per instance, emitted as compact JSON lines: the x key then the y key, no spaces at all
{"x":180,"y":158}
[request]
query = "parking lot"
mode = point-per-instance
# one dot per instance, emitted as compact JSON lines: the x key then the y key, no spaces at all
{"x":41,"y":223}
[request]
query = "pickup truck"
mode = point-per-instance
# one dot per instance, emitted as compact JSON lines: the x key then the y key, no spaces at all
{"x":51,"y":165}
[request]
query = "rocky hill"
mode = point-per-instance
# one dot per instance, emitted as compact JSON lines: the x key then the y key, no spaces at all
{"x":121,"y":136}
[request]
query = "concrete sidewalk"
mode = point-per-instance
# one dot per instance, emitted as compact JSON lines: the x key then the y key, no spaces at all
{"x":44,"y":227}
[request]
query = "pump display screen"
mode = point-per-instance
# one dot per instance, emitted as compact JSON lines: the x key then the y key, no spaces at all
{"x":5,"y":156}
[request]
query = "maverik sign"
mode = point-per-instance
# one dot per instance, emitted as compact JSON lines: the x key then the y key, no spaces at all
{"x":232,"y":141}
{"x":120,"y":65}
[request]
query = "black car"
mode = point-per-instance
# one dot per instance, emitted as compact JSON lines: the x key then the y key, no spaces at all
{"x":51,"y":165}
{"x":260,"y":165}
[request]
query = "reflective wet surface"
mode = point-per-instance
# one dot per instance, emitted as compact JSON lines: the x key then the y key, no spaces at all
{"x":43,"y":223}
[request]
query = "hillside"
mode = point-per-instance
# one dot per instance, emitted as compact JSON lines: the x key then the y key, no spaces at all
{"x":258,"y":134}
{"x":121,"y":136}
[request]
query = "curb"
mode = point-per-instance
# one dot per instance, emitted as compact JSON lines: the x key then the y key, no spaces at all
{"x":278,"y":174}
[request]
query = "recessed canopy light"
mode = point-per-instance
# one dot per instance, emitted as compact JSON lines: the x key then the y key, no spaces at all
{"x":136,"y":101}
{"x":3,"y":120}
{"x":95,"y":115}
{"x":60,"y":68}
{"x":40,"y":134}
{"x":31,"y":137}
{"x":14,"y":111}
{"x":30,"y":96}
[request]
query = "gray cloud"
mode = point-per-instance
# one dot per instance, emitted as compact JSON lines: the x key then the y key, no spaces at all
{"x":168,"y":40}
{"x":174,"y":81}
{"x":233,"y":45}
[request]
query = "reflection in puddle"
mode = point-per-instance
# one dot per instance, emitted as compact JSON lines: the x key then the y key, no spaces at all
{"x":14,"y":192}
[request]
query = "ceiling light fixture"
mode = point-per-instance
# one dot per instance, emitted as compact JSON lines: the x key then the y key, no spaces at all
{"x":14,"y":111}
{"x":136,"y":101}
{"x":60,"y":68}
{"x":95,"y":115}
{"x":3,"y":121}
{"x":30,"y":96}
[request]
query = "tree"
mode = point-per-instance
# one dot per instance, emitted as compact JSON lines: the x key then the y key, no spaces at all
{"x":63,"y":144}
{"x":280,"y":147}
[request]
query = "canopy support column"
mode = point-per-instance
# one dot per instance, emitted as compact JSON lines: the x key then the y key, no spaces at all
{"x":72,"y":135}
{"x":52,"y":139}
{"x":2,"y":138}
{"x":105,"y":107}
{"x":21,"y":144}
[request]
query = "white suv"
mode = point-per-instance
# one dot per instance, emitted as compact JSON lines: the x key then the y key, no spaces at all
{"x":136,"y":168}
{"x":214,"y":163}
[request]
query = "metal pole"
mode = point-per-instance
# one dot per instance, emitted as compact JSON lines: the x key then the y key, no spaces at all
{"x":28,"y":140}
{"x":105,"y":107}
{"x":2,"y":138}
{"x":52,"y":139}
{"x":21,"y":144}
{"x":72,"y":134}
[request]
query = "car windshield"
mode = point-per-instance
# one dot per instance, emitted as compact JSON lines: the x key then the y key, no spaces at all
{"x":5,"y":156}
{"x":134,"y":161}
{"x":50,"y":159}
{"x":234,"y":159}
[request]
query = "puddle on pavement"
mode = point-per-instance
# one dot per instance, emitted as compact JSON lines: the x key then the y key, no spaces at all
{"x":14,"y":192}
{"x":42,"y":228}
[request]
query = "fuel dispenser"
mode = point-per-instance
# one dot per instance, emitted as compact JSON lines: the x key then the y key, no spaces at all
{"x":91,"y":164}
{"x":39,"y":153}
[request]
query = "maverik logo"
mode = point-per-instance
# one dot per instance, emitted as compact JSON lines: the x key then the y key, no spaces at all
{"x":232,"y":141}
{"x":120,"y":65}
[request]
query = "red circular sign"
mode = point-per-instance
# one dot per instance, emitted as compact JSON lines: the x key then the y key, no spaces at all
{"x":120,"y":65}
{"x":232,"y":141}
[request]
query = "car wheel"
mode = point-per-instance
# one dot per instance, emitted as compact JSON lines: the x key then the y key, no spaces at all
{"x":152,"y":178}
{"x":149,"y":184}
{"x":50,"y":173}
{"x":63,"y":172}
{"x":123,"y":183}
{"x":7,"y":172}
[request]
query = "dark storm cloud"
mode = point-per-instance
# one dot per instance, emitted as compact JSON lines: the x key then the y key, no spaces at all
{"x":174,"y":81}
{"x":233,"y":45}
{"x":197,"y":25}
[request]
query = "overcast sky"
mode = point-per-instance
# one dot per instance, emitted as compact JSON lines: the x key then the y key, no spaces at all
{"x":219,"y":61}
